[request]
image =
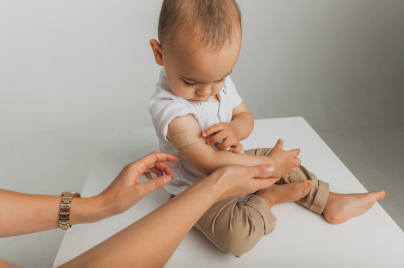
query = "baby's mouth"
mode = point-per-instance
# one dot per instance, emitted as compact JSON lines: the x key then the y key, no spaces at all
{"x":194,"y":100}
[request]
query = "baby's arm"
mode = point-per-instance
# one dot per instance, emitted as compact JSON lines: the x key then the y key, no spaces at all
{"x":242,"y":121}
{"x":238,"y":129}
{"x":206,"y":160}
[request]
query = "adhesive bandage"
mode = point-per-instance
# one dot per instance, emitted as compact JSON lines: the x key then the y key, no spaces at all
{"x":187,"y":138}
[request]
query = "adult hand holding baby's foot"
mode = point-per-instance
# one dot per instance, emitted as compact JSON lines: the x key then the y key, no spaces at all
{"x":285,"y":162}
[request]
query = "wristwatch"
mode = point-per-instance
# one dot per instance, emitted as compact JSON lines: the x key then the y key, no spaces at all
{"x":64,"y":211}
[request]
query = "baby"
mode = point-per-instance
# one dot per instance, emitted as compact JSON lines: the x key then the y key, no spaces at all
{"x":197,"y":114}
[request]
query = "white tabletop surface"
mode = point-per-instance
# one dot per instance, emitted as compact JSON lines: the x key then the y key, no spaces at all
{"x":301,"y":238}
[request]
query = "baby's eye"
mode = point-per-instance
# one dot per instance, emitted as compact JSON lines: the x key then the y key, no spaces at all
{"x":189,"y":84}
{"x":221,"y":80}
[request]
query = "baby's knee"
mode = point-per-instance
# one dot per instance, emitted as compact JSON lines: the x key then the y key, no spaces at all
{"x":239,"y":238}
{"x":235,"y":227}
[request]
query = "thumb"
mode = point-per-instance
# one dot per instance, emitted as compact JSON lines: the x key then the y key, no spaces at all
{"x":262,"y":171}
{"x":155,"y":184}
{"x":279,"y":144}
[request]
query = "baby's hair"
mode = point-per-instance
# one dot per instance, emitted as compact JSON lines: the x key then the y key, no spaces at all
{"x":212,"y":22}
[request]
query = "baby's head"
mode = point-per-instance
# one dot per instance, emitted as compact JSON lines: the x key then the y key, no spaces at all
{"x":199,"y":45}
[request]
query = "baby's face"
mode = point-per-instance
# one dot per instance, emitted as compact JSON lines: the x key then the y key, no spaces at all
{"x":197,"y":74}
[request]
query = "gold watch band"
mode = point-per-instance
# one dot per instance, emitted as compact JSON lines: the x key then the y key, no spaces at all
{"x":64,"y":210}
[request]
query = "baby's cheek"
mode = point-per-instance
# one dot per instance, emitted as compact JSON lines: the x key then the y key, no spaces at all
{"x":218,"y":88}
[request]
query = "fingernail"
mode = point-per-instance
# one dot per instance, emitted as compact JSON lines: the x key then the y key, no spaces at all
{"x":204,"y":134}
{"x":269,"y":169}
{"x":166,"y":179}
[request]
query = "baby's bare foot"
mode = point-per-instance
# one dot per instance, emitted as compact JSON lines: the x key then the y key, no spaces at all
{"x":277,"y":194}
{"x":342,"y":207}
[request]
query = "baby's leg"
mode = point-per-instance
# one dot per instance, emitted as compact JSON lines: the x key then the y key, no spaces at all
{"x":336,"y":208}
{"x":236,"y":227}
{"x":314,"y":198}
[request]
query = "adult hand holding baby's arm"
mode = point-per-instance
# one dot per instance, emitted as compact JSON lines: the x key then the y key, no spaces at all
{"x":202,"y":156}
{"x":285,"y":162}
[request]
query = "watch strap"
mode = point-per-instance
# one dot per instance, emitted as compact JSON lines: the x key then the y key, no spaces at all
{"x":64,"y":210}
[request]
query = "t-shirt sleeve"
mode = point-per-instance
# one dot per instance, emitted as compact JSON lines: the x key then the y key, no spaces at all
{"x":232,"y":88}
{"x":163,"y":111}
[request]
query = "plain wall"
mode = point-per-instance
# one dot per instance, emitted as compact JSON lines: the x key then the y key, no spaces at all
{"x":72,"y":70}
{"x":76,"y":69}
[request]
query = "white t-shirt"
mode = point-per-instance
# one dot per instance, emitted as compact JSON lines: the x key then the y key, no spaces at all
{"x":164,"y":106}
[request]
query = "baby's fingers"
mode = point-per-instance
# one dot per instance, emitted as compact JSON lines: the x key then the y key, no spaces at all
{"x":236,"y":148}
{"x":279,"y":144}
{"x":295,"y":152}
{"x":218,"y":137}
{"x":212,"y":130}
{"x":297,"y":162}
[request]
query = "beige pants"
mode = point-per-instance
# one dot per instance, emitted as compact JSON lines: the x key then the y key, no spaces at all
{"x":236,"y":227}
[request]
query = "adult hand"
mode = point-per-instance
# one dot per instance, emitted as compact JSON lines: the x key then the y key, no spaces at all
{"x":241,"y":180}
{"x":126,"y":190}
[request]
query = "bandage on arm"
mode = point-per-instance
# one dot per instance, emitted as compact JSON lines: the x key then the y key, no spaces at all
{"x":187,"y":138}
{"x":201,"y":155}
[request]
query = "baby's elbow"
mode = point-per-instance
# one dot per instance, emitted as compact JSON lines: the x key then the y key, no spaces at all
{"x":204,"y":168}
{"x":205,"y":165}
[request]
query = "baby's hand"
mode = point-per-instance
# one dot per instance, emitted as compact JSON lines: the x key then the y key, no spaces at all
{"x":285,"y":162}
{"x":225,"y":132}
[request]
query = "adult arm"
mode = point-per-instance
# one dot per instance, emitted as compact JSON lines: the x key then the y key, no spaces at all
{"x":151,"y":241}
{"x":25,"y":213}
{"x":206,"y":160}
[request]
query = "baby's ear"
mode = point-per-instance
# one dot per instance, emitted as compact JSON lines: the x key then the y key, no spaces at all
{"x":157,"y":51}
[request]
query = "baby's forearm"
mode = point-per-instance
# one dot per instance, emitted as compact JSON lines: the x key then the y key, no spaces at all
{"x":243,"y":125}
{"x":216,"y":159}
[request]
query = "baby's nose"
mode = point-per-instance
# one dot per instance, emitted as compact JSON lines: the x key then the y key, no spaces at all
{"x":204,"y":91}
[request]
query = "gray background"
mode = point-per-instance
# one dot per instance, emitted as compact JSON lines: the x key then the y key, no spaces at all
{"x":72,"y":70}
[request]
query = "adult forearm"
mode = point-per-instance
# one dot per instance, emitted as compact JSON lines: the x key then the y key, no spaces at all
{"x":151,"y":241}
{"x":243,"y":125}
{"x":26,"y":213}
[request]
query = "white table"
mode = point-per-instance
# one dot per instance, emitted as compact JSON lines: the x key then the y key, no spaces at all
{"x":300,"y":239}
